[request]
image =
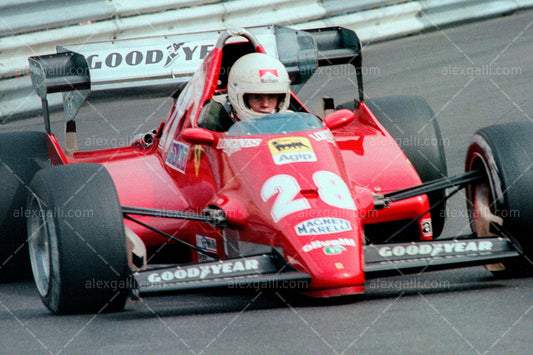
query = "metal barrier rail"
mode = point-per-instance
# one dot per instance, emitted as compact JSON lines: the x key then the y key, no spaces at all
{"x":21,"y":16}
{"x":34,"y":27}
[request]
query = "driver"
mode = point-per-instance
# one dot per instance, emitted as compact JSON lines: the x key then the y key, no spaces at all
{"x":258,"y":84}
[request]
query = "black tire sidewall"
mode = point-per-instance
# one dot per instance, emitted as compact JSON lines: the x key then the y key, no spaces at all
{"x":507,"y":151}
{"x":22,"y":154}
{"x":89,"y":270}
{"x":412,"y":124}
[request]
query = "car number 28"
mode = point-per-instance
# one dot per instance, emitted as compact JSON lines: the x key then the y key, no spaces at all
{"x":331,"y":189}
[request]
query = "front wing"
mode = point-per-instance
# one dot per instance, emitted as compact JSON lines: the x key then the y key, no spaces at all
{"x":403,"y":258}
{"x":256,"y":271}
{"x":272,"y":271}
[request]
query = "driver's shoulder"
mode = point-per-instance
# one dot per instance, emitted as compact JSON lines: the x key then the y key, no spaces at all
{"x":216,"y":114}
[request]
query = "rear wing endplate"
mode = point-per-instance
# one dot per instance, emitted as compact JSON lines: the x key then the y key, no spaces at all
{"x":162,"y":66}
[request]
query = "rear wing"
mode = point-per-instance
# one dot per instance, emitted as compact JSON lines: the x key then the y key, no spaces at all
{"x":162,"y":66}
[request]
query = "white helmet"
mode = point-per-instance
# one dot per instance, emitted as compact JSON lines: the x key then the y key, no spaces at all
{"x":257,"y":73}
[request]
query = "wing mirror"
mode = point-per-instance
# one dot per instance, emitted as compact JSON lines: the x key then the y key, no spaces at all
{"x":198,"y":136}
{"x":339,"y":118}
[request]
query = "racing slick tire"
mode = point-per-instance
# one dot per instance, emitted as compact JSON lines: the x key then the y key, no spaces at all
{"x":77,"y":241}
{"x":504,"y":154}
{"x":22,"y":154}
{"x":412,"y":124}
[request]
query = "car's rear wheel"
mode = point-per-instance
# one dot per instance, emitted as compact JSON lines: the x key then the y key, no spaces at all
{"x":504,"y":155}
{"x":22,"y":154}
{"x":77,"y":242}
{"x":412,"y":124}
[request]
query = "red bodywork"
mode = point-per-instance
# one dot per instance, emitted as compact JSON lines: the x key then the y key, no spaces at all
{"x":314,"y":208}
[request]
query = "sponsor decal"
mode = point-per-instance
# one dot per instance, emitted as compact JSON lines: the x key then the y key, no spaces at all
{"x":320,"y":244}
{"x":322,"y":225}
{"x":295,"y":157}
{"x":133,"y":58}
{"x":426,"y":227}
{"x":268,"y":75}
{"x":173,"y":53}
{"x":197,"y":158}
{"x":335,"y":250}
{"x":232,"y":145}
{"x":437,"y":249}
{"x":291,"y":150}
{"x":323,"y":136}
{"x":290,"y":144}
{"x":207,"y":244}
{"x":177,"y":156}
{"x":148,"y":56}
{"x":199,"y":272}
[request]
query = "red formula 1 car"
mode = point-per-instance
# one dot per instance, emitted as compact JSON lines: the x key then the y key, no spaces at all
{"x":288,"y":200}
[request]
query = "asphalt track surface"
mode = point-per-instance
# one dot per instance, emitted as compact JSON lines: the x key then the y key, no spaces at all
{"x":463,"y":311}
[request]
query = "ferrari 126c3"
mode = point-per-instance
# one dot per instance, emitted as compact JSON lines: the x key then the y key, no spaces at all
{"x":315,"y":202}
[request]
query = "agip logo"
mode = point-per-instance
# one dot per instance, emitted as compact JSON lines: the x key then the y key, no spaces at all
{"x":291,"y":150}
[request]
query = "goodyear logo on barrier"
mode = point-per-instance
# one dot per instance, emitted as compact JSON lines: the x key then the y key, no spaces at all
{"x":291,"y":150}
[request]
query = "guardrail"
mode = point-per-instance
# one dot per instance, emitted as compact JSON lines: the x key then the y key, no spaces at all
{"x":34,"y":27}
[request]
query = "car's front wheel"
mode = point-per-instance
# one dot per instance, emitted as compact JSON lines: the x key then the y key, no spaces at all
{"x":77,"y":242}
{"x":504,"y":155}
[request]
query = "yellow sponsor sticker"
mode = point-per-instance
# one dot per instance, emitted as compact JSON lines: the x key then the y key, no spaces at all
{"x":291,"y":150}
{"x":197,"y":158}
